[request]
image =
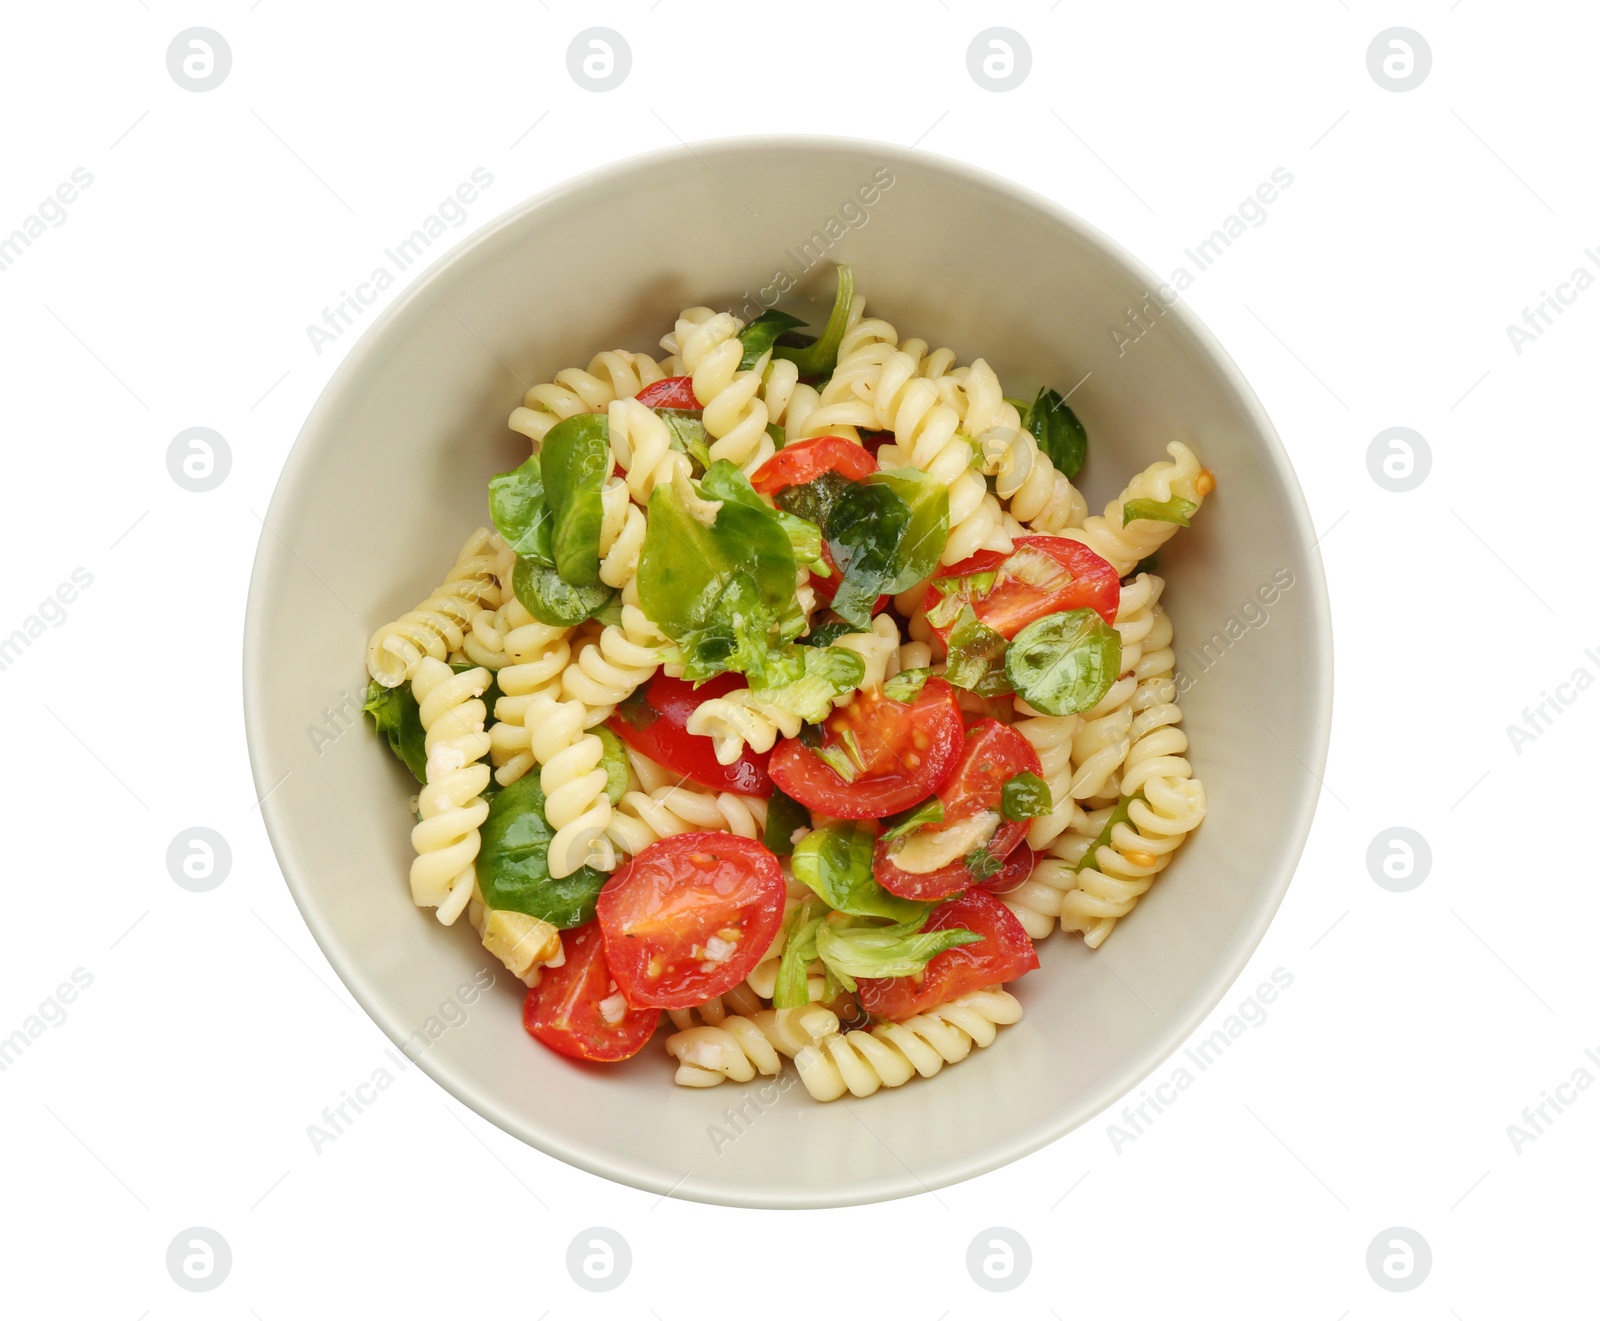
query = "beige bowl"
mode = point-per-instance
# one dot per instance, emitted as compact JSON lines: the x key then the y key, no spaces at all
{"x":388,"y":476}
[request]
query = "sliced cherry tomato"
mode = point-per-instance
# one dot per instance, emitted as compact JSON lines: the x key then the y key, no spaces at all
{"x":900,"y":751}
{"x":689,"y":917}
{"x":1003,"y":955}
{"x":1019,"y":865}
{"x":670,"y":392}
{"x":578,"y":1008}
{"x":1057,"y":574}
{"x":993,"y":753}
{"x":653,"y":722}
{"x":806,"y":460}
{"x":826,"y":587}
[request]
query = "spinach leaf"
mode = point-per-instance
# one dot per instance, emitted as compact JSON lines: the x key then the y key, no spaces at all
{"x":1025,"y":796}
{"x":687,"y":434}
{"x":1064,"y":663}
{"x":514,"y":864}
{"x":762,"y":333}
{"x":907,"y":685}
{"x":1176,"y":510}
{"x":399,"y":720}
{"x":930,"y":813}
{"x":977,"y":656}
{"x":521,"y":516}
{"x":836,"y":864}
{"x":724,"y":481}
{"x":826,"y":633}
{"x":551,"y":599}
{"x":576,"y":455}
{"x":814,"y":500}
{"x":886,"y":534}
{"x":1059,"y":433}
{"x":820,"y":357}
{"x":718,"y":578}
{"x":784,"y":818}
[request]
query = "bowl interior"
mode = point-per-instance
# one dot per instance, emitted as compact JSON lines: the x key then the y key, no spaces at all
{"x":388,"y":478}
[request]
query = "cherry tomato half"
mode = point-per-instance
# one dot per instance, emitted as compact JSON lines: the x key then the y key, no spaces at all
{"x":579,"y":1010}
{"x":1019,"y":865}
{"x":690,"y":916}
{"x":806,"y":460}
{"x":653,"y":722}
{"x":902,"y":752}
{"x":1057,"y":574}
{"x":670,"y":392}
{"x":993,"y":753}
{"x":1003,"y":955}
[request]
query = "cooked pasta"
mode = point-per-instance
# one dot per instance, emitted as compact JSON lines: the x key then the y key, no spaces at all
{"x":677,"y":617}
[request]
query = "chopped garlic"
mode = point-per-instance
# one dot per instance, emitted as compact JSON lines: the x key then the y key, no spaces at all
{"x":613,"y":1009}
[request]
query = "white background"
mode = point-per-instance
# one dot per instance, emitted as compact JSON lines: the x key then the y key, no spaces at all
{"x":1377,"y":293}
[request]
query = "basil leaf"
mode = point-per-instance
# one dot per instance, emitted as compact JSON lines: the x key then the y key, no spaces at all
{"x":551,"y":599}
{"x":851,"y":950}
{"x":398,"y":718}
{"x":930,"y":813}
{"x":820,"y":357}
{"x":686,"y":433}
{"x":886,"y":534}
{"x":814,"y":500}
{"x":635,"y":708}
{"x":513,"y":862}
{"x":906,"y":686}
{"x":784,"y":818}
{"x":614,"y":759}
{"x":576,"y":455}
{"x":1151,"y":563}
{"x":1176,"y":510}
{"x":779,"y":440}
{"x":824,"y":673}
{"x":983,"y":864}
{"x":977,"y":656}
{"x":1064,"y":663}
{"x":836,"y":865}
{"x":1024,"y":797}
{"x":521,"y":516}
{"x":826,"y":634}
{"x":718,"y":578}
{"x":799,"y":953}
{"x":1119,"y":816}
{"x":1059,"y":433}
{"x":762,"y":333}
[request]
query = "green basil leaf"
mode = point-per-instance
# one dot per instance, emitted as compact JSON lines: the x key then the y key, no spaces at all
{"x":907,"y":685}
{"x":551,"y":599}
{"x":983,"y":864}
{"x":1151,"y":563}
{"x":977,"y":656}
{"x":513,"y":862}
{"x":1176,"y":510}
{"x":820,"y":357}
{"x":635,"y":708}
{"x":836,"y":865}
{"x":779,"y":440}
{"x":1119,"y":816}
{"x":886,"y":534}
{"x":930,"y":813}
{"x":852,"y":950}
{"x":799,"y":953}
{"x":1059,"y":433}
{"x":576,"y":458}
{"x":1024,"y":797}
{"x":762,"y":333}
{"x":686,"y":433}
{"x":823,"y":673}
{"x":835,"y":759}
{"x":814,"y":500}
{"x":826,"y":633}
{"x":1064,"y":663}
{"x":614,"y":760}
{"x":784,"y":818}
{"x":718,"y":578}
{"x":521,"y":516}
{"x":398,"y":718}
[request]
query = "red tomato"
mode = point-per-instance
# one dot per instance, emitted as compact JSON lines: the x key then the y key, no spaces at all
{"x":662,"y":912}
{"x":806,"y":460}
{"x":1018,"y":867}
{"x":826,"y":587}
{"x":903,"y":752}
{"x":994,"y":752}
{"x":1009,"y":603}
{"x":1004,"y":954}
{"x":564,"y":1009}
{"x":671,"y":392}
{"x":653,"y":722}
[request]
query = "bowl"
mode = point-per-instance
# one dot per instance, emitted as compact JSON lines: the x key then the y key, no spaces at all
{"x":388,"y":477}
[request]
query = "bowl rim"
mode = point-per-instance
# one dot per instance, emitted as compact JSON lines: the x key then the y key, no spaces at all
{"x":1116,"y":1083}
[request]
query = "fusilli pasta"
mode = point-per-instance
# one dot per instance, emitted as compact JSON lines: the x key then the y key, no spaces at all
{"x":435,"y":627}
{"x":451,"y":810}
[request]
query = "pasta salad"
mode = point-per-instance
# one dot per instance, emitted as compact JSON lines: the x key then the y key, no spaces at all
{"x":794,"y":695}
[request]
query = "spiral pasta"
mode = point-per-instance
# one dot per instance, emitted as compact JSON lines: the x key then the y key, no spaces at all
{"x":1051,"y":737}
{"x":892,"y":1054}
{"x":536,"y":658}
{"x":607,"y":669}
{"x":1123,"y":547}
{"x":574,"y":783}
{"x":740,"y":1047}
{"x":615,"y":374}
{"x":642,"y":447}
{"x":643,"y":817}
{"x":879,"y":649}
{"x":436,"y":626}
{"x":1024,"y":475}
{"x":449,"y":806}
{"x":740,"y":720}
